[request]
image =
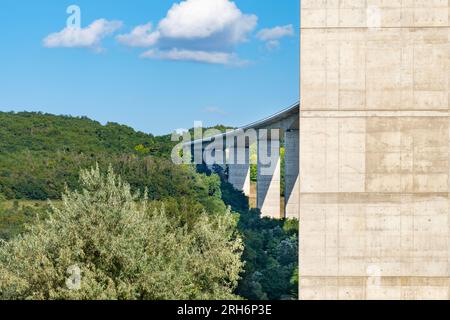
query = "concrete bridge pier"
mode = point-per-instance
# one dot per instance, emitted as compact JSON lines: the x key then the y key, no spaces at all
{"x":268,"y":181}
{"x":266,"y":133}
{"x":239,"y":169}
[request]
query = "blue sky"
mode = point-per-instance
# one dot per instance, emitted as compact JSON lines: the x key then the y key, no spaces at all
{"x":226,"y":63}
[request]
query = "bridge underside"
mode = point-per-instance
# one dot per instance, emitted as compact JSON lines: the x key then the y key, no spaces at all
{"x":266,"y":136}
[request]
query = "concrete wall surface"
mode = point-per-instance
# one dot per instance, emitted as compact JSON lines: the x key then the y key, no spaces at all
{"x":374,"y":149}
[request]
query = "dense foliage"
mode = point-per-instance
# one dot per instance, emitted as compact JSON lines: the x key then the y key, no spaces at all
{"x":42,"y":154}
{"x":45,"y":132}
{"x":124,"y":248}
{"x":271,"y":256}
{"x":270,"y":249}
{"x":14,"y":218}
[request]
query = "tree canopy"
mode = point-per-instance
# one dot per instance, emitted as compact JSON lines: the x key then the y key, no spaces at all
{"x":124,"y":248}
{"x":42,"y":155}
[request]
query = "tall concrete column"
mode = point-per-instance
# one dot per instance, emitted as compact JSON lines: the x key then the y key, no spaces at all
{"x":374,"y":158}
{"x":268,"y":181}
{"x":239,"y":169}
{"x":292,"y":182}
{"x":214,"y":158}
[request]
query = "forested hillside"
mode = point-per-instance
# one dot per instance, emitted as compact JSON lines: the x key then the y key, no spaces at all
{"x":41,"y":155}
{"x":46,"y":132}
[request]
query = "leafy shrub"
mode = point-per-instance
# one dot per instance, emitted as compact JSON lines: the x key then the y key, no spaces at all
{"x":125,"y":247}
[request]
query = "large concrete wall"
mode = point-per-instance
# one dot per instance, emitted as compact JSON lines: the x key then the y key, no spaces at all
{"x":374,"y":149}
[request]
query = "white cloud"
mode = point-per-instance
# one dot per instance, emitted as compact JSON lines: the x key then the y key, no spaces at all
{"x":275,"y":33}
{"x":215,"y":110}
{"x":89,"y":37}
{"x":141,"y":36}
{"x":272,"y":44}
{"x":206,"y":19}
{"x":195,"y":30}
{"x":191,"y":55}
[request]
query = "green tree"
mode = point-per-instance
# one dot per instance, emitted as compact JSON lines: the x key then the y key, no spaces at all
{"x":125,"y":247}
{"x":2,"y":202}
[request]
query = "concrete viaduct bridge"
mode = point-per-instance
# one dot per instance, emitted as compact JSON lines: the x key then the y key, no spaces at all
{"x":373,"y":196}
{"x":266,"y":134}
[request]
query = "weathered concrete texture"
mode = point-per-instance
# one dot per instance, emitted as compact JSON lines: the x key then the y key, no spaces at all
{"x":239,"y":171}
{"x":292,"y":181}
{"x":268,"y":180}
{"x":375,"y":148}
{"x":374,"y":13}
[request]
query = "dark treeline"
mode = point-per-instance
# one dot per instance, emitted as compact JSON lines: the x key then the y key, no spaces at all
{"x":41,"y":153}
{"x":270,"y":251}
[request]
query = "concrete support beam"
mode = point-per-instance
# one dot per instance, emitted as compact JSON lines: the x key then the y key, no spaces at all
{"x":214,"y":159}
{"x":268,"y":183}
{"x":239,"y":170}
{"x":292,"y":182}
